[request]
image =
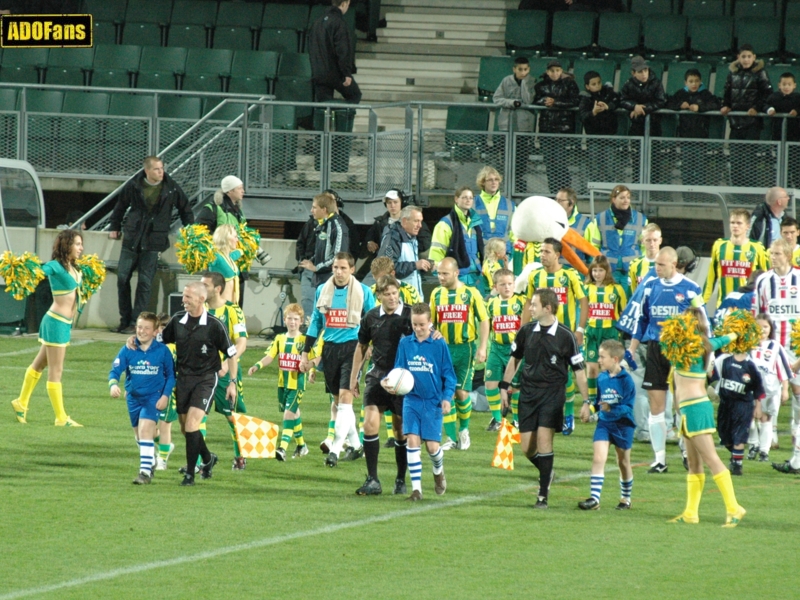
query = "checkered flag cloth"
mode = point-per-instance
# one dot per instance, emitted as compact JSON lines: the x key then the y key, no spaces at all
{"x":507,"y":435}
{"x":257,"y":438}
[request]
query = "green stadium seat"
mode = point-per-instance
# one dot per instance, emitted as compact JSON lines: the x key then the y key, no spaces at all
{"x":465,"y":118}
{"x":293,"y":64}
{"x":187,"y":36}
{"x":131,"y":105}
{"x":126,"y":140}
{"x":281,"y":116}
{"x":253,"y":72}
{"x":202,"y":82}
{"x":117,"y":57}
{"x":8,"y":99}
{"x":775,"y":72}
{"x":179,"y":107}
{"x":233,"y":38}
{"x":764,"y":33}
{"x":81,"y":139}
{"x":526,"y":30}
{"x":676,"y":72}
{"x":754,"y":8}
{"x":163,"y":59}
{"x":606,"y":68}
{"x":619,"y":32}
{"x":703,"y":8}
{"x":157,"y":80}
{"x":116,"y":78}
{"x":538,"y":66}
{"x":239,"y":14}
{"x":287,"y":16}
{"x":106,"y":10}
{"x":194,"y":12}
{"x":572,"y":31}
{"x":711,"y":35}
{"x":227,"y":113}
{"x":651,"y":7}
{"x":665,"y":34}
{"x":23,"y":65}
{"x":792,"y":41}
{"x":295,"y":89}
{"x":69,"y":66}
{"x":492,"y":71}
{"x":43,"y":101}
{"x":142,"y":34}
{"x":792,"y":13}
{"x":278,"y":40}
{"x":208,"y":61}
{"x":153,"y":11}
{"x":85,"y":103}
{"x":104,"y":32}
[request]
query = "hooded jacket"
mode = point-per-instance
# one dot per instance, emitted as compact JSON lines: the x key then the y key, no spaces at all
{"x":746,"y":89}
{"x":651,"y":95}
{"x":219,"y":212}
{"x":694,"y":126}
{"x":565,"y":94}
{"x":330,"y":49}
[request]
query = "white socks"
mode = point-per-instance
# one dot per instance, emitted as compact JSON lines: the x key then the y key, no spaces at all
{"x":345,"y":421}
{"x":765,"y":437}
{"x":658,"y":437}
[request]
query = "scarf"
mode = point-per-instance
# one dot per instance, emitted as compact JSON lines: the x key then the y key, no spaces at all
{"x":622,"y":217}
{"x":355,"y":300}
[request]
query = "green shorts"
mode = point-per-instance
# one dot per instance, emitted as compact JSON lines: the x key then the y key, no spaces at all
{"x":496,"y":363}
{"x":596,"y":336}
{"x":221,"y":403}
{"x":54,"y":330}
{"x":289,"y":399}
{"x":169,"y":414}
{"x":463,"y":356}
{"x":697,"y":417}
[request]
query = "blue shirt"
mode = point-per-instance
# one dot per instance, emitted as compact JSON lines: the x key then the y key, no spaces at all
{"x":629,"y":319}
{"x":337,"y":335}
{"x":738,"y":380}
{"x":619,"y":392}
{"x":730,"y":303}
{"x":430,"y":363}
{"x":664,"y":298}
{"x":148,"y":373}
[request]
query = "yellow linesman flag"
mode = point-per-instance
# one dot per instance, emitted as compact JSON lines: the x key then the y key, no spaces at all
{"x":257,"y":438}
{"x":507,"y":435}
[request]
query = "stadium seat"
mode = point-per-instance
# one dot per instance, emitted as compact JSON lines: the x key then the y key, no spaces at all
{"x":606,"y":68}
{"x":157,"y":80}
{"x":492,"y":71}
{"x":23,"y":65}
{"x":106,"y":10}
{"x":117,"y":57}
{"x":227,"y":113}
{"x":127,"y":140}
{"x":280,"y":116}
{"x":665,"y":35}
{"x":205,"y":69}
{"x":764,"y":33}
{"x":115,"y":78}
{"x":792,"y":41}
{"x":294,"y":65}
{"x":80,"y":140}
{"x":295,"y":89}
{"x":711,"y":35}
{"x":278,"y":40}
{"x":239,"y":14}
{"x":8,"y":99}
{"x":465,"y":118}
{"x":158,"y":67}
{"x":233,"y":38}
{"x":151,"y":11}
{"x":775,"y":72}
{"x":676,"y":72}
{"x":253,"y":72}
{"x":539,"y":66}
{"x":526,"y":30}
{"x":754,"y":8}
{"x":651,"y":7}
{"x":619,"y":32}
{"x":288,"y":16}
{"x":194,"y":12}
{"x":69,"y":66}
{"x":85,"y":103}
{"x":142,"y":34}
{"x":792,"y":12}
{"x":131,"y":105}
{"x":703,"y":8}
{"x":43,"y":101}
{"x":179,"y":107}
{"x":187,"y":36}
{"x":104,"y":32}
{"x":572,"y":31}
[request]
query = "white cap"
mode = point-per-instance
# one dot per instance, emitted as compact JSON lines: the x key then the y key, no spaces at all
{"x":230,"y":182}
{"x":391,"y":195}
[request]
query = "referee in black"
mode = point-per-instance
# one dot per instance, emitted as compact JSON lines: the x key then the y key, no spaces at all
{"x":199,"y":339}
{"x":549,"y":350}
{"x":383,"y":326}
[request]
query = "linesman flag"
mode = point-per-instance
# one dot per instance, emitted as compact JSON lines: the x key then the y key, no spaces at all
{"x":256,"y":437}
{"x":507,"y":435}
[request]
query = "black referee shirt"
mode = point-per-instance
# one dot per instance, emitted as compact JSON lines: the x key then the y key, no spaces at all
{"x":384,"y":330}
{"x":198,"y":342}
{"x":548,"y":354}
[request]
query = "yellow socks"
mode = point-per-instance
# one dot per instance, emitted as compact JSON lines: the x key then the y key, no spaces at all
{"x":694,"y":492}
{"x":28,"y":384}
{"x":57,"y":400}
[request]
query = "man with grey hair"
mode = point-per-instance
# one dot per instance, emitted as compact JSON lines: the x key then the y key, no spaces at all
{"x":401,"y":245}
{"x":765,"y":224}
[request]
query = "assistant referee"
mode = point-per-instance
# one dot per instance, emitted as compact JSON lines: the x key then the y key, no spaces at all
{"x":199,"y":339}
{"x":549,"y":350}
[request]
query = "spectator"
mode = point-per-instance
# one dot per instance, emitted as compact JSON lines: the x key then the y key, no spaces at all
{"x":332,"y":55}
{"x":464,"y":243}
{"x":786,"y":101}
{"x":765,"y":224}
{"x":514,"y":91}
{"x":642,"y":95}
{"x":393,"y":202}
{"x":148,"y":199}
{"x":596,"y":109}
{"x":401,"y":245}
{"x":354,"y":242}
{"x":330,"y":236}
{"x":556,"y":91}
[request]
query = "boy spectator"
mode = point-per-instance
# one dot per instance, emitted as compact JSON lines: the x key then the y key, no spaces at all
{"x":556,"y":91}
{"x":694,"y":97}
{"x":642,"y":95}
{"x":615,"y":424}
{"x":786,"y":101}
{"x":747,"y":88}
{"x":514,"y":91}
{"x":598,"y":102}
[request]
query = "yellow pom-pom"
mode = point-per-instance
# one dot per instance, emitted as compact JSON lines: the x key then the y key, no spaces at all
{"x":21,"y":273}
{"x":195,"y":248}
{"x":680,"y":342}
{"x":795,"y":337}
{"x":93,"y":274}
{"x":249,"y":240}
{"x":743,"y":324}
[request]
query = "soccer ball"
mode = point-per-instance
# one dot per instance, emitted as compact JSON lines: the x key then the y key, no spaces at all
{"x":400,"y":381}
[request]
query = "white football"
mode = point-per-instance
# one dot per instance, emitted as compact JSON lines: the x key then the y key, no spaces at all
{"x":400,"y":381}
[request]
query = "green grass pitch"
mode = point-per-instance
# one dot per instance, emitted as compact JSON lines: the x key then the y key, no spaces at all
{"x":73,"y":526}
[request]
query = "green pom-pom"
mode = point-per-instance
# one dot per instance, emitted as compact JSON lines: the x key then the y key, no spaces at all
{"x":680,"y":342}
{"x":93,"y":274}
{"x":195,"y":248}
{"x":21,"y":273}
{"x":249,"y":240}
{"x":743,"y":324}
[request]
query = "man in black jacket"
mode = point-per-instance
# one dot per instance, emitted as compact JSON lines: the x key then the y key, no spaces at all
{"x":332,"y":55}
{"x":148,"y":199}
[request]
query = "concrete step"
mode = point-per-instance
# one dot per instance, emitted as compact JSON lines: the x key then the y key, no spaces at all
{"x":428,"y":20}
{"x":424,"y":48}
{"x":412,"y":96}
{"x":376,"y":80}
{"x":417,"y":63}
{"x":432,"y":36}
{"x":486,"y":7}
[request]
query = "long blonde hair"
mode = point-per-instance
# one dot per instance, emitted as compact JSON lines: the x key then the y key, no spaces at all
{"x":222,"y":236}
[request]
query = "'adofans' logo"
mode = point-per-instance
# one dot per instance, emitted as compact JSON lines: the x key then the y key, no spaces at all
{"x":46,"y":31}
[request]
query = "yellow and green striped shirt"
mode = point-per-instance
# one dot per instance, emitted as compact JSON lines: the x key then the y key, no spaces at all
{"x":490,"y":267}
{"x":233,"y":318}
{"x":731,"y":265}
{"x":606,"y":304}
{"x":288,"y":351}
{"x":638,"y":269}
{"x":456,"y":313}
{"x":408,"y":293}
{"x":567,"y":286}
{"x":523,"y":254}
{"x":796,"y":256}
{"x":506,"y":316}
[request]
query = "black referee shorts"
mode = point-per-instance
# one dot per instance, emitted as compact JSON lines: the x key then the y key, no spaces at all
{"x":543,"y":408}
{"x":375,"y":395}
{"x":656,"y":368}
{"x":337,"y":362}
{"x":195,"y":391}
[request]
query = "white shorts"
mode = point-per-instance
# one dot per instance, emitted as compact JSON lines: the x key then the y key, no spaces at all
{"x":771,"y":403}
{"x":792,"y":359}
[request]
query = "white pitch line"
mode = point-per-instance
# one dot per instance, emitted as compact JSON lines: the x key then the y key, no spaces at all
{"x":35,"y":349}
{"x":271,"y":541}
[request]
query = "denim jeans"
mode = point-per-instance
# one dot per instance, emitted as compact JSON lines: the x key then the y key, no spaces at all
{"x":145,"y":264}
